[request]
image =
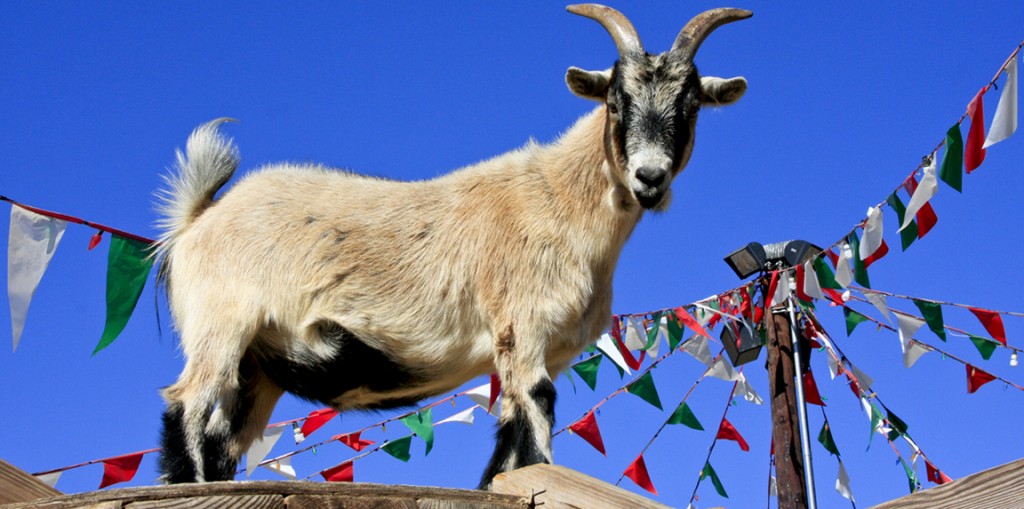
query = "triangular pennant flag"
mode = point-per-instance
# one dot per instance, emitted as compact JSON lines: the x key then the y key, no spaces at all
{"x":782,"y":290}
{"x":637,"y":471}
{"x":826,"y":440}
{"x":773,"y":487}
{"x":495,"y":387}
{"x":50,"y":478}
{"x":316,"y":419}
{"x":826,"y":279}
{"x":744,"y":388}
{"x":463,"y":417}
{"x":261,"y":447}
{"x":811,"y":394}
{"x":872,"y":245}
{"x":863,"y":379}
{"x":932,"y":312}
{"x":935,"y":475}
{"x":977,"y":377}
{"x":992,"y":322}
{"x":833,"y":366}
{"x":876,"y":419}
{"x":659,"y":328}
{"x":354,"y":441}
{"x":120,"y":469}
{"x":911,"y":476}
{"x":1004,"y":123}
{"x":282,"y":467}
{"x":587,"y":370}
{"x":860,"y":272}
{"x":726,"y":431}
{"x":913,"y":352}
{"x":919,"y":208}
{"x":339,"y":473}
{"x":422,"y":424}
{"x":610,"y":349}
{"x":810,"y":285}
{"x":32,"y":241}
{"x":908,"y":234}
{"x":898,"y":426}
{"x":908,"y":326}
{"x":844,"y":275}
{"x":399,"y":449}
{"x":128,"y":266}
{"x":690,"y":322}
{"x":723,"y":369}
{"x":697,"y":346}
{"x":843,"y":484}
{"x":853,"y":319}
{"x":644,"y":387}
{"x":985,"y":346}
{"x":636,"y":336}
{"x":683,"y":415}
{"x":481,"y":395}
{"x":878,"y":300}
{"x":952,"y":171}
{"x":675,"y":330}
{"x":710,"y":472}
{"x":587,"y":429}
{"x":974,"y":153}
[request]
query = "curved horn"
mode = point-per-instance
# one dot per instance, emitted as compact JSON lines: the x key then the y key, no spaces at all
{"x":622,"y":31}
{"x":698,"y":29}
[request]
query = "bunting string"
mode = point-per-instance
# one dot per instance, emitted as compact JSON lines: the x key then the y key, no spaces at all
{"x":711,"y":448}
{"x":77,"y":220}
{"x":933,"y":301}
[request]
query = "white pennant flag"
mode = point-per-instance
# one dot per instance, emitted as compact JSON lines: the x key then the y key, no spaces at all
{"x":50,"y":478}
{"x":636,"y":337}
{"x":744,"y":388}
{"x":610,"y":350}
{"x":811,"y":287}
{"x":662,"y":326}
{"x":878,"y":300}
{"x":773,"y":487}
{"x":913,"y":352}
{"x":1004,"y":123}
{"x":482,"y":396}
{"x":872,"y":239}
{"x":722,"y":369}
{"x":908,"y":326}
{"x":31,"y":243}
{"x":261,"y":447}
{"x":697,"y":346}
{"x":463,"y":417}
{"x":781,"y":290}
{"x":833,"y":367}
{"x":863,"y":379}
{"x":926,"y":189}
{"x":844,"y":274}
{"x":843,"y":484}
{"x":282,"y":467}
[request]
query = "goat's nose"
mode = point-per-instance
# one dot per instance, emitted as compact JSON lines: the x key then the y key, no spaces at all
{"x":651,"y":176}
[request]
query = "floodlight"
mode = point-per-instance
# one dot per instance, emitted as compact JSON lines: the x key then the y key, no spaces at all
{"x":747,"y":260}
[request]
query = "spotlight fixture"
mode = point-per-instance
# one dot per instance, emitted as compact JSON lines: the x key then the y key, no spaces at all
{"x":754,"y":257}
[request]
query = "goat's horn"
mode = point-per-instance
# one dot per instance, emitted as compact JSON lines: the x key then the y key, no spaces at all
{"x":698,"y":29}
{"x":622,"y":31}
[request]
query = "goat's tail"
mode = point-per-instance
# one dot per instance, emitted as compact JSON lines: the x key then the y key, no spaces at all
{"x":208,"y":162}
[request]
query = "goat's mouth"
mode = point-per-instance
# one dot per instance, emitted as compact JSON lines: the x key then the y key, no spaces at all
{"x":649,"y":197}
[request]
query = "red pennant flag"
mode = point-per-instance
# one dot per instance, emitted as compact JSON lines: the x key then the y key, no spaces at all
{"x":854,"y":386}
{"x":834,"y":296}
{"x":339,"y":473}
{"x":974,"y":153}
{"x":882,"y":251}
{"x":800,"y":294}
{"x":587,"y":429}
{"x":832,"y":256}
{"x":616,"y":333}
{"x":727,"y":431}
{"x":935,"y":475}
{"x":495,"y":391}
{"x":993,"y":323}
{"x":691,"y":322}
{"x":95,"y":239}
{"x":926,"y":217}
{"x":120,"y":469}
{"x":811,"y":394}
{"x":316,"y":419}
{"x":976,"y":378}
{"x":352,"y":440}
{"x":637,"y":471}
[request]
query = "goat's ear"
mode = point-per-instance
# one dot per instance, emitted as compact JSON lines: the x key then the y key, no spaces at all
{"x":720,"y":91}
{"x":591,"y":85}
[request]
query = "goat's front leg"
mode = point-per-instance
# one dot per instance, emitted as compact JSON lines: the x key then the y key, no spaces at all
{"x":528,"y":405}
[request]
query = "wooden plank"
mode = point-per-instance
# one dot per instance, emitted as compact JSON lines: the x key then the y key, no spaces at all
{"x":444,"y":503}
{"x":215,"y":502}
{"x":343,"y":502}
{"x":559,"y":487}
{"x":995,"y":488}
{"x":16,"y":485}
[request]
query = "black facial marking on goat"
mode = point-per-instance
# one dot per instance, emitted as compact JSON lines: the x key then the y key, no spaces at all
{"x":352,"y":365}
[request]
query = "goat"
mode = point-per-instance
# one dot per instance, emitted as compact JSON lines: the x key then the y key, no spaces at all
{"x":364,"y":293}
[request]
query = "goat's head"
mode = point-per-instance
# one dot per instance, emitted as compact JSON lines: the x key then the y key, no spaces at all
{"x":652,"y":101}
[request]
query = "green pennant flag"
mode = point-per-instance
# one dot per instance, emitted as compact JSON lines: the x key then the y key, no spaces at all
{"x":652,"y":333}
{"x":985,"y":346}
{"x":128,"y":266}
{"x":911,"y":476}
{"x":399,"y":448}
{"x":826,"y":279}
{"x":909,"y":234}
{"x":898,"y":426}
{"x":422,"y":423}
{"x":853,"y":319}
{"x":876,"y":421}
{"x":952,"y":171}
{"x":587,"y":370}
{"x":683,"y":415}
{"x":644,"y":387}
{"x":860,"y":272}
{"x":933,"y":315}
{"x":675,"y":331}
{"x":825,"y":437}
{"x":710,"y":472}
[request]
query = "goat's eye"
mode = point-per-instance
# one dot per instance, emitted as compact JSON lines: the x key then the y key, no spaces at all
{"x":613,"y":108}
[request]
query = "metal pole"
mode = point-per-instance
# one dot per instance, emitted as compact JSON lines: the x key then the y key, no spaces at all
{"x":801,"y":407}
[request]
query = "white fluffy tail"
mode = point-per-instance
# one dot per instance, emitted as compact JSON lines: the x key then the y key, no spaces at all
{"x":208,"y":162}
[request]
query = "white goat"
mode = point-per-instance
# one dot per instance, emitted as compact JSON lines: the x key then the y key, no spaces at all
{"x":365,"y":293}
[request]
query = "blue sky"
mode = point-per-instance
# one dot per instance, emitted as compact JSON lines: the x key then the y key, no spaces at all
{"x":842,"y":104}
